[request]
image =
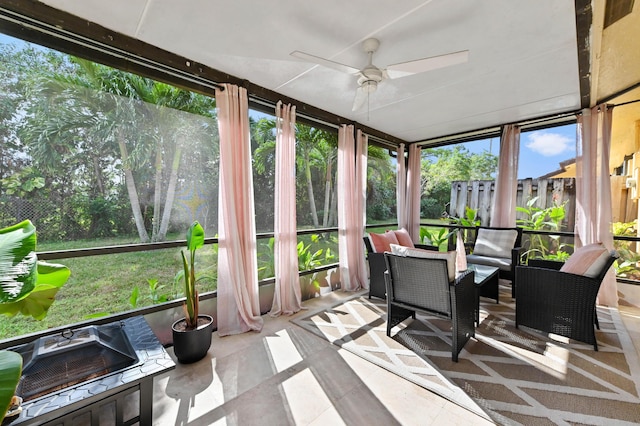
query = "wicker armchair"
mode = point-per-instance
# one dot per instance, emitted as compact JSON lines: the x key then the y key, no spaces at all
{"x":377,"y":266}
{"x":418,"y":284}
{"x":559,"y":302}
{"x":507,"y":261}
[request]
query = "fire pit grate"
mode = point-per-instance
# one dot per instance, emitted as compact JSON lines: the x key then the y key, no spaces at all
{"x":56,"y":362}
{"x":118,"y":362}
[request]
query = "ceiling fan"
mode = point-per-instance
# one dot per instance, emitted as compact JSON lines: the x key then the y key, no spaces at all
{"x":370,"y":76}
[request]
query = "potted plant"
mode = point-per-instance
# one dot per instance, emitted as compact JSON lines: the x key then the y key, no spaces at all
{"x":192,"y":334}
{"x":28,"y":287}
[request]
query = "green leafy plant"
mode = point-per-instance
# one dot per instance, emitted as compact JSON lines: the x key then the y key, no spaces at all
{"x":548,"y":219}
{"x":307,"y":259}
{"x":267,"y":260}
{"x":470,"y":218}
{"x":435,"y":237}
{"x":10,"y":371}
{"x":626,"y":265}
{"x":195,"y":239}
{"x":28,"y":287}
{"x":155,"y":292}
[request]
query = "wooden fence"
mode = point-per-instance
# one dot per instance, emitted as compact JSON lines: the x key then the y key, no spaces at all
{"x":478,"y":195}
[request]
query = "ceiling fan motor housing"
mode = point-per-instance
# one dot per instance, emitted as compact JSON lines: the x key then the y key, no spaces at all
{"x":369,"y":78}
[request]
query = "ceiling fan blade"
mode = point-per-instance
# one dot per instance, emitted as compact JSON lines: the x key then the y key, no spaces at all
{"x":325,"y":62}
{"x":404,"y":69}
{"x":360,"y":99}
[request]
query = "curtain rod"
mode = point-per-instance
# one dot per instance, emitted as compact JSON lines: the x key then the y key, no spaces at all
{"x":559,"y":117}
{"x":270,"y":104}
{"x":625,"y":103}
{"x":61,"y":33}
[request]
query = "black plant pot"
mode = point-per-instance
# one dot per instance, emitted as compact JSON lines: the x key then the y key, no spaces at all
{"x":192,"y":345}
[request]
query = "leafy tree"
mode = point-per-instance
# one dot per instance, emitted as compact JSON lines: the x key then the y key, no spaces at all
{"x":381,"y":185}
{"x":441,"y":166}
{"x":263,"y":140}
{"x":316,"y":153}
{"x":86,"y":117}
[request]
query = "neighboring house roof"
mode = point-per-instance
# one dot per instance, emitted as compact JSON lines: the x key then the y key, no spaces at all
{"x":567,"y":169}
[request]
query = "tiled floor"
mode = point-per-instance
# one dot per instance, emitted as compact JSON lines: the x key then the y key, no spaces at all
{"x":288,"y":376}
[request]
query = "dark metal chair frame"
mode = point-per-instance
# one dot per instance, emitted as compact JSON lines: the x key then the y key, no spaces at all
{"x":558,"y":302}
{"x":418,"y":284}
{"x":377,"y":266}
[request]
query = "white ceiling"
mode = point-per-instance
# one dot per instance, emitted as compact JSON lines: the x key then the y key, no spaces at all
{"x":522,"y":54}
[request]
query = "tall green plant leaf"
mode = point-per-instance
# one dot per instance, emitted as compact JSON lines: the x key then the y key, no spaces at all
{"x":28,"y":286}
{"x":195,"y":239}
{"x":10,"y":370}
{"x":18,"y":261}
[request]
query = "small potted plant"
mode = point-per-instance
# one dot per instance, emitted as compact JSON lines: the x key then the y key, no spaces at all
{"x":192,"y":334}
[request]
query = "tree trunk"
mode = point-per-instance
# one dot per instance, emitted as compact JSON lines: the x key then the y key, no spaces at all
{"x":312,"y":201}
{"x":157,"y":194}
{"x":333,"y":208}
{"x":131,"y":190}
{"x":327,"y":193}
{"x":171,"y":192}
{"x":98,"y":173}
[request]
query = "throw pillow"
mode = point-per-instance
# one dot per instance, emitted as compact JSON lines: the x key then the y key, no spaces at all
{"x":495,"y":242}
{"x":587,"y":260}
{"x":449,"y":256}
{"x":382,"y":242}
{"x":404,"y":239}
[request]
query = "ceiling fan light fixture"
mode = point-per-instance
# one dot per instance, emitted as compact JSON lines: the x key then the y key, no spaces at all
{"x":370,"y":86}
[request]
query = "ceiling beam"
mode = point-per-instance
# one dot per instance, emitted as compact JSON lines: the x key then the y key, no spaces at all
{"x":584,"y":22}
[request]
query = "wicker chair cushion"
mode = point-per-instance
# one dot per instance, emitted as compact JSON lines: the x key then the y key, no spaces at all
{"x":382,"y":242}
{"x":495,"y":242}
{"x":499,"y":262}
{"x":404,"y":239}
{"x":587,"y":260}
{"x":449,"y":256}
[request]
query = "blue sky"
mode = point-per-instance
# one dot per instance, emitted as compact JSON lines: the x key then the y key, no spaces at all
{"x":541,"y":151}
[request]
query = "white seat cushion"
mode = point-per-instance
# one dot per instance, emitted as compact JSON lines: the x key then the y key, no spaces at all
{"x":449,"y":256}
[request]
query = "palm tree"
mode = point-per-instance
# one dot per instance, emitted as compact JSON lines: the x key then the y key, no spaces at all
{"x":316,"y":150}
{"x":101,"y":106}
{"x":80,"y":110}
{"x":174,"y":110}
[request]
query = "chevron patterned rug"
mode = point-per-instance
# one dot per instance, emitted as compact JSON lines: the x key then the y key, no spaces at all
{"x":511,"y":376}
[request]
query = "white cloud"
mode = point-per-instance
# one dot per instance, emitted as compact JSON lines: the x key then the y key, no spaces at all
{"x":549,"y":144}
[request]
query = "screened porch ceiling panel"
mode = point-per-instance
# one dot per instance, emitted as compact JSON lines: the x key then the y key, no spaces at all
{"x":522,"y":63}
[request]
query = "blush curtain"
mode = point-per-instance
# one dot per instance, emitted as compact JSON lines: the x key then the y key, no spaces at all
{"x":287,"y":295}
{"x":593,"y":189}
{"x":401,"y":188}
{"x":238,"y":302}
{"x":503,"y":211}
{"x":352,"y":178}
{"x":414,"y":192}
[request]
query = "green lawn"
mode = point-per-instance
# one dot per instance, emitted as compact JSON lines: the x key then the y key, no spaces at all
{"x":103,"y":284}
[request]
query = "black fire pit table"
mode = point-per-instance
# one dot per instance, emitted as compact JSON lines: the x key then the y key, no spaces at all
{"x":101,"y":374}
